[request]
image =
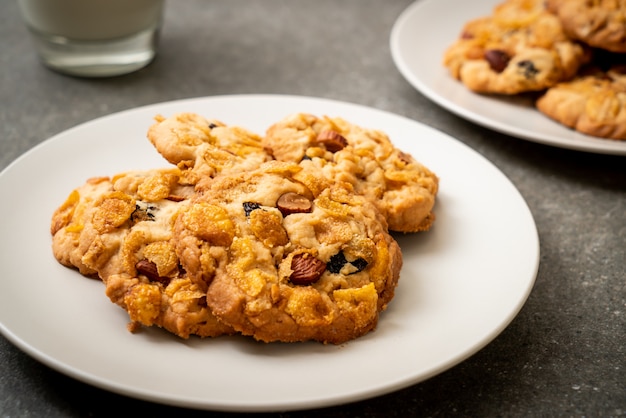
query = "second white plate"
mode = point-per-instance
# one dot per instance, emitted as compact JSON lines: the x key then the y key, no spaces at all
{"x":418,"y":41}
{"x":461,"y":283}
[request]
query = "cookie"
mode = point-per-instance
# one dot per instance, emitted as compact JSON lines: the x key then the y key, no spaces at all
{"x":120,"y":230}
{"x":338,"y":151}
{"x":520,"y":47}
{"x":285,"y":262}
{"x":594,"y":104}
{"x":69,"y":240}
{"x":204,"y":148}
{"x":283,"y":237}
{"x":600,"y":24}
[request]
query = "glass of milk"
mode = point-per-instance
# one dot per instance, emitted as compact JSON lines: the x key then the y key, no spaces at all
{"x":94,"y":38}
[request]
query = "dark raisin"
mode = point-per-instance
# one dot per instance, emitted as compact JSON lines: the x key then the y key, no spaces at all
{"x":134,"y":217}
{"x":248,"y":207}
{"x":360,"y":264}
{"x":528,"y":68}
{"x":212,"y":125}
{"x":336,"y":262}
{"x":145,"y":213}
{"x":619,"y":69}
{"x":497,"y":59}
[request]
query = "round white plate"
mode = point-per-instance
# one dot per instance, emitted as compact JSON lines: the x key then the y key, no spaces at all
{"x":461,"y":283}
{"x":418,"y":41}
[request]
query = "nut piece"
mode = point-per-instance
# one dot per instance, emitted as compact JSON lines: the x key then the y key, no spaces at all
{"x":175,"y":198}
{"x":497,"y":59}
{"x":293,"y":203}
{"x":306,"y":269}
{"x":405,"y":158}
{"x":150,"y":270}
{"x":332,"y":140}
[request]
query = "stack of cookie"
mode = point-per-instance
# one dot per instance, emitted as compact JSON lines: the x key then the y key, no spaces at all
{"x":569,"y":51}
{"x":282,"y":237}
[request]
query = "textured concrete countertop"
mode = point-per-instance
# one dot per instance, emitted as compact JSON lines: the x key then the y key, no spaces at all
{"x":563,"y":355}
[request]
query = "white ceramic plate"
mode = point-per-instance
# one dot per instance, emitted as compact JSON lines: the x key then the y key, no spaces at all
{"x":461,"y":283}
{"x":418,"y":40}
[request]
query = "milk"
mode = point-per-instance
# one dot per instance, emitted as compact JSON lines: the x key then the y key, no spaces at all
{"x":91,"y":20}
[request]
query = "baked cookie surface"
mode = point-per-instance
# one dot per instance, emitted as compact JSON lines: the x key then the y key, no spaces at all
{"x":594,"y":104}
{"x":520,"y":47}
{"x":120,"y":230}
{"x":285,"y":262}
{"x":402,"y":189}
{"x":205,"y":148}
{"x":599,"y":23}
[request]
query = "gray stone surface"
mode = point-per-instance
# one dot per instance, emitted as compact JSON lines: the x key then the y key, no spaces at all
{"x":563,"y":355}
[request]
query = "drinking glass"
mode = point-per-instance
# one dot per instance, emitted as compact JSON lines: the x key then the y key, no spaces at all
{"x":94,"y":38}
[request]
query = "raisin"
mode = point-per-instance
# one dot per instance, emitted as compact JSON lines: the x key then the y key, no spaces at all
{"x":619,"y":69}
{"x":145,"y":213}
{"x":248,"y":207}
{"x":360,"y":264}
{"x":339,"y":260}
{"x":336,"y":262}
{"x":528,"y":68}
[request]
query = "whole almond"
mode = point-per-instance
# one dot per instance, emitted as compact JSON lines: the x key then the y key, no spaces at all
{"x":306,"y":269}
{"x":290,"y":202}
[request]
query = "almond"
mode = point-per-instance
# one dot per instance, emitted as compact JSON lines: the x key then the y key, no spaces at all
{"x":306,"y":269}
{"x":291,"y":202}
